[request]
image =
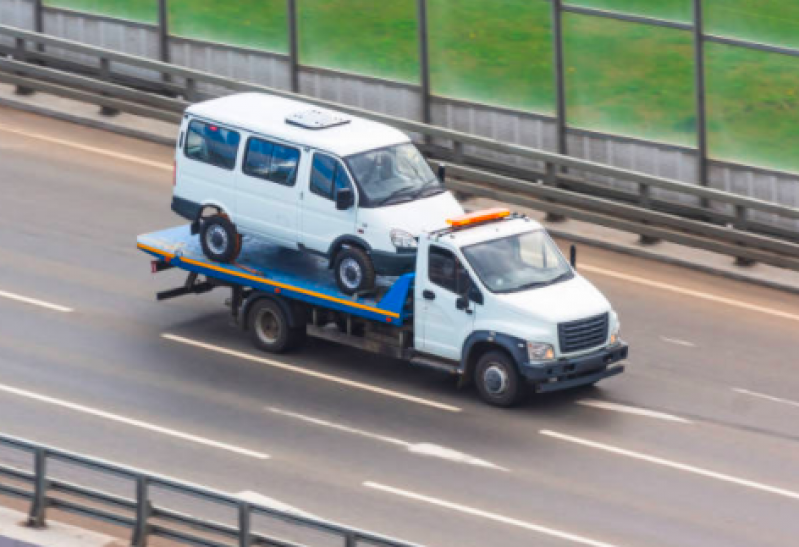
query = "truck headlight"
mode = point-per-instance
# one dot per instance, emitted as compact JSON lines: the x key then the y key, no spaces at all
{"x":402,"y":239}
{"x":614,"y":334}
{"x":539,"y":351}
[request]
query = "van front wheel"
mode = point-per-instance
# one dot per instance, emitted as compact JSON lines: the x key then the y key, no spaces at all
{"x":219,"y":239}
{"x":354,"y":271}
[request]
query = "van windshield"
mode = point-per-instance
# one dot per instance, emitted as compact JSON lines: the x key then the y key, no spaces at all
{"x":392,"y":175}
{"x":520,"y":262}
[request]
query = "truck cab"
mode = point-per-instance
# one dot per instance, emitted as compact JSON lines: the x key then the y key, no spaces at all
{"x":495,"y":296}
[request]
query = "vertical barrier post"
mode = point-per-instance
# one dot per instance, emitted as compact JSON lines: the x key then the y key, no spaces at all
{"x":163,"y":32}
{"x":701,"y":102}
{"x":38,"y":17}
{"x":424,"y":59}
{"x":350,"y":540}
{"x":36,"y":518}
{"x":560,"y":77}
{"x":294,"y":45}
{"x":245,"y":525}
{"x":141,"y":529}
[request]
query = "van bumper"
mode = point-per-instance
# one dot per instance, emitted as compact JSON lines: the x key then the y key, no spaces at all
{"x":577,"y":371}
{"x":392,"y":264}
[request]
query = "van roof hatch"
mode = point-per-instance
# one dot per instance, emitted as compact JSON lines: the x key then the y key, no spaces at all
{"x":316,"y":119}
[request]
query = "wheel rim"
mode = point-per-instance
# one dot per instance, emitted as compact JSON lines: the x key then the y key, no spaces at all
{"x":350,"y":273}
{"x":216,"y":239}
{"x":267,"y":326}
{"x":496,"y":380}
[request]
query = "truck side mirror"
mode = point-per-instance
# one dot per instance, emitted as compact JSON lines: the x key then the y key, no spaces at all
{"x":344,"y":199}
{"x":442,"y":172}
{"x":573,"y":256}
{"x":475,"y":295}
{"x":462,"y":303}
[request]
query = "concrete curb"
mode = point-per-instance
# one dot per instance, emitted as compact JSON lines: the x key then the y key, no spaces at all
{"x":562,"y":234}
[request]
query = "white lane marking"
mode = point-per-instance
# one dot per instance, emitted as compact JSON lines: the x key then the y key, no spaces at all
{"x":672,"y":464}
{"x":35,"y":302}
{"x":313,"y":374}
{"x":607,"y":405}
{"x":678,"y":342}
{"x":265,"y":501}
{"x":488,"y":515}
{"x":423,"y":449}
{"x":690,"y":292}
{"x":91,"y":149}
{"x":130,"y":421}
{"x":764,"y":396}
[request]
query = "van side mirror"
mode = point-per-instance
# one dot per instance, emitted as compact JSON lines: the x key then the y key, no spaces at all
{"x":344,"y":199}
{"x":573,"y":256}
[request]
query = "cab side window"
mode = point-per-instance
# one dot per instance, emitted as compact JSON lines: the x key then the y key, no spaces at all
{"x":271,"y":161}
{"x":212,"y":144}
{"x":443,"y":268}
{"x":328,"y":176}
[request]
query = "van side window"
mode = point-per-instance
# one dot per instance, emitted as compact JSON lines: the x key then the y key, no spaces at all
{"x":271,"y":161}
{"x":212,"y":144}
{"x":442,"y":268}
{"x":328,"y":176}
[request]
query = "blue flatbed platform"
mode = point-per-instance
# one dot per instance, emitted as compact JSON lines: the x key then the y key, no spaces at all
{"x":292,"y":274}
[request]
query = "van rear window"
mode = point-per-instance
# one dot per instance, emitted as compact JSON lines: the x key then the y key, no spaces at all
{"x":212,"y":144}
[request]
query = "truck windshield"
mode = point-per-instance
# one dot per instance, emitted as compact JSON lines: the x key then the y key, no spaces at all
{"x":393,"y":175}
{"x":519,"y":262}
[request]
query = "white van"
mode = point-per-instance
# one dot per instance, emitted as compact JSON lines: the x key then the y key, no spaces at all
{"x":355,"y":191}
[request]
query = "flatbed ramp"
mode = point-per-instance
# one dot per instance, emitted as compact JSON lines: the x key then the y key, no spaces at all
{"x":293,"y":274}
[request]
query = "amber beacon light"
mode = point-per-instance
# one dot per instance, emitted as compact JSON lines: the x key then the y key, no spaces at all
{"x":478,"y":216}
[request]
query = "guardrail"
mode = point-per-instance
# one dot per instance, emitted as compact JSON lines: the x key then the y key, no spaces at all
{"x":143,"y":517}
{"x":721,"y":222}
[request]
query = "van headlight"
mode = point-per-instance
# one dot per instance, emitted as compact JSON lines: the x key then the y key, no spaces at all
{"x":539,"y":351}
{"x":402,"y":239}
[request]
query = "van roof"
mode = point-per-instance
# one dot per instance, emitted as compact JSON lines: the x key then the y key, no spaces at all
{"x":267,"y":114}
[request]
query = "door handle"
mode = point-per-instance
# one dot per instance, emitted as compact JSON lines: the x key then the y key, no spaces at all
{"x":428,"y":295}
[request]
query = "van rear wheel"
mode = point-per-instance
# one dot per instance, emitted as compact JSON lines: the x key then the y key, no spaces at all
{"x":498,"y":380}
{"x":354,"y":271}
{"x":219,"y":239}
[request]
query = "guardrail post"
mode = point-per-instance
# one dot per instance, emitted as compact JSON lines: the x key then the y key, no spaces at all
{"x":740,"y":223}
{"x":105,"y":74}
{"x":350,"y":540}
{"x":20,"y":54}
{"x":36,"y":518}
{"x":38,"y":20}
{"x":645,"y":193}
{"x":245,"y":539}
{"x":141,"y":529}
{"x":191,"y":90}
{"x":294,"y":46}
{"x":424,"y":60}
{"x":163,"y":33}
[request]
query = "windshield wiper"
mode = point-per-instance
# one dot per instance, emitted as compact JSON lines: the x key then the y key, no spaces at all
{"x":410,"y":190}
{"x":433,"y":185}
{"x":538,"y":284}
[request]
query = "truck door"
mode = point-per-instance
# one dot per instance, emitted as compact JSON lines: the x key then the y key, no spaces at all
{"x":268,"y":192}
{"x":445,"y":327}
{"x":321,"y":222}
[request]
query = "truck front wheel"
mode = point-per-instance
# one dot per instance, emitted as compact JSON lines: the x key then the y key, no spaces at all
{"x":498,"y":380}
{"x":270,"y":329}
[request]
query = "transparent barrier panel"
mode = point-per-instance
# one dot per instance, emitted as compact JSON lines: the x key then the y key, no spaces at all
{"x":376,"y":39}
{"x":675,"y":10}
{"x":144,"y":11}
{"x":753,"y":107}
{"x":629,"y":79}
{"x":260,"y":24}
{"x":769,"y":21}
{"x":494,"y":52}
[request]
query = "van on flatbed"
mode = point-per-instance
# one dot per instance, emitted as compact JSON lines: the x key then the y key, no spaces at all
{"x":491,"y":300}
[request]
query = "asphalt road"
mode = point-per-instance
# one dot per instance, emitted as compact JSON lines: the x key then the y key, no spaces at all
{"x":696,"y":445}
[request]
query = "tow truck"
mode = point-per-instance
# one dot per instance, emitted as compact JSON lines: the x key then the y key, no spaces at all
{"x":492,"y":301}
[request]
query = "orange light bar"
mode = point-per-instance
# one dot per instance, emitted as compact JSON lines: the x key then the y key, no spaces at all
{"x":478,"y":216}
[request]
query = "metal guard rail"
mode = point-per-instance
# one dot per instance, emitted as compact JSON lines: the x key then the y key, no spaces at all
{"x":142,"y":516}
{"x":733,"y":235}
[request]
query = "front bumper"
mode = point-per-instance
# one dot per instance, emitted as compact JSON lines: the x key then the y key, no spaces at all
{"x":398,"y":263}
{"x":576,"y":371}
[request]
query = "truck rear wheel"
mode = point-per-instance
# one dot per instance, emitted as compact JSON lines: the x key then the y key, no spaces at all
{"x":354,"y":271}
{"x":219,"y":239}
{"x":498,"y":380}
{"x":270,"y":329}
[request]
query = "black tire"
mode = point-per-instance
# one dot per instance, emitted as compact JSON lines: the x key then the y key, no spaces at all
{"x":219,"y":239}
{"x":270,"y":329}
{"x":498,"y":380}
{"x":354,"y":271}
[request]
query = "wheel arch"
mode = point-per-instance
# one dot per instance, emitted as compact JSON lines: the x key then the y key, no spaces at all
{"x":295,"y":313}
{"x":341,"y":241}
{"x":480,"y":342}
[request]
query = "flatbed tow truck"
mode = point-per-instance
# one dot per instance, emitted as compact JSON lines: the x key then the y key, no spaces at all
{"x":492,"y":301}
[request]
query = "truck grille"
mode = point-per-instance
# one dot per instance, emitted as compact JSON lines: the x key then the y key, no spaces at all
{"x":583,"y":333}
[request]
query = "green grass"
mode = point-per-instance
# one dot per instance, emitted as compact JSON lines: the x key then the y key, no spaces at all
{"x":623,"y":78}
